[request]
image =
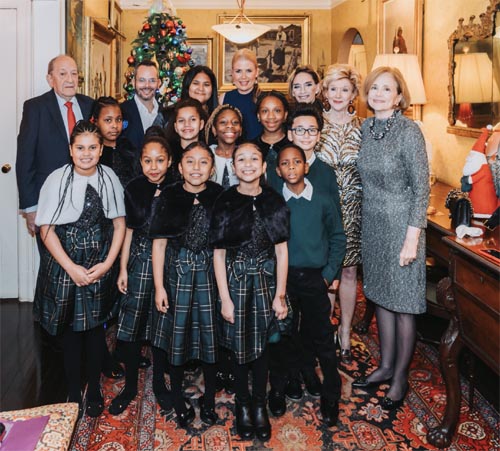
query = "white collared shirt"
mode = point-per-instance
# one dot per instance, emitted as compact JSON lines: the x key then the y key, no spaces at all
{"x":312,"y":159}
{"x":306,"y":194}
{"x":147,"y":118}
{"x":64,"y":110}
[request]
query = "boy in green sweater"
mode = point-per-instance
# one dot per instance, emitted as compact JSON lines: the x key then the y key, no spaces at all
{"x":316,"y":250}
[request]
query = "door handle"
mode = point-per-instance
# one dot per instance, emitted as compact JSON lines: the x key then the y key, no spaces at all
{"x":6,"y":168}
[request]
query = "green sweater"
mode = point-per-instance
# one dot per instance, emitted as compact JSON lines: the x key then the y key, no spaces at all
{"x":317,"y":238}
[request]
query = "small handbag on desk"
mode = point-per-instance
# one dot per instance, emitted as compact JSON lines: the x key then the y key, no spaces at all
{"x":460,"y":207}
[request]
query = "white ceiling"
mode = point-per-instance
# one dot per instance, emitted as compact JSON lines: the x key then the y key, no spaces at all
{"x":232,"y":4}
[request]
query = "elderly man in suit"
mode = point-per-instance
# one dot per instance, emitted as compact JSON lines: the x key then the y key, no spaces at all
{"x":141,"y":111}
{"x":43,"y":140}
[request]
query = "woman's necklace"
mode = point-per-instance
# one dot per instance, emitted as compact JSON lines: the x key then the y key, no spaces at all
{"x":388,"y":125}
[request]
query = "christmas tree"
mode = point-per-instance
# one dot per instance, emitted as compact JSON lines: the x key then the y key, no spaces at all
{"x":162,"y":38}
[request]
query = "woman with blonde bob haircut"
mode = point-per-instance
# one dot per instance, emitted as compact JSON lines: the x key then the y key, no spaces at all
{"x":395,"y":175}
{"x":402,"y":87}
{"x":339,"y":148}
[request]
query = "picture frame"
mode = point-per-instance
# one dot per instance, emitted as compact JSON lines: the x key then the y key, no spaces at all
{"x":99,"y":71}
{"x":276,"y":58}
{"x":203,"y":52}
{"x":75,"y":38}
{"x":404,"y":14}
{"x":115,"y":20}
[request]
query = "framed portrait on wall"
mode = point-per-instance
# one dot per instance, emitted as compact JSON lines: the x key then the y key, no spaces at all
{"x":202,"y":51}
{"x":279,"y":51}
{"x":400,"y":26}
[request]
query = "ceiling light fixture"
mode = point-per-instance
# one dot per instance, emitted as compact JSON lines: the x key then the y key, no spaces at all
{"x":241,"y":29}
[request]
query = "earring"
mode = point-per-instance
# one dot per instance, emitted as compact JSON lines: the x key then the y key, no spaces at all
{"x":351,"y":110}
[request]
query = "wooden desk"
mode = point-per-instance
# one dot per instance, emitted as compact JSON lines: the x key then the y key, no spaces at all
{"x":473,"y":304}
{"x":438,"y":224}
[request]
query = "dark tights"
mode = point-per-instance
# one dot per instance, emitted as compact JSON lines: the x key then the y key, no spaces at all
{"x":72,"y":344}
{"x":259,"y":367}
{"x":397,"y":335}
{"x":131,"y":352}
{"x":159,"y":368}
{"x":176,"y":378}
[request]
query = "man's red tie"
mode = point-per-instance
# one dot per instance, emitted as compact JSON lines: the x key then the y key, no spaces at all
{"x":71,"y":117}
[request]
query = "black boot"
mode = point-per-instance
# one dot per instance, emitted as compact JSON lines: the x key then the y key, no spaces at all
{"x":244,"y":422}
{"x":261,"y":419}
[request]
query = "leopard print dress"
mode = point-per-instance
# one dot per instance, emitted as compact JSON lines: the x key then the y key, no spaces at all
{"x":339,"y":147}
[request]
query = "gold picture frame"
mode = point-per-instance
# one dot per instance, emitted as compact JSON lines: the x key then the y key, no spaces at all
{"x":274,"y":66}
{"x":203,"y":51}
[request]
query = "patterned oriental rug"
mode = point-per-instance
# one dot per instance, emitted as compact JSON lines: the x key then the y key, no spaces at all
{"x":363,"y":424}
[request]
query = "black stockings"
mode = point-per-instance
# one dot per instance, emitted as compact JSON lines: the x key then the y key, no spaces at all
{"x":72,"y":344}
{"x":131,"y":352}
{"x":259,"y":368}
{"x":397,"y":335}
{"x":159,"y":368}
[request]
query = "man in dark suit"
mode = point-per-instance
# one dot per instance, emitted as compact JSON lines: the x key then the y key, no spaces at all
{"x":141,"y":111}
{"x":43,"y":140}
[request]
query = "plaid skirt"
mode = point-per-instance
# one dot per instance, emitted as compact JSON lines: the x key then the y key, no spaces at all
{"x":188,"y":330}
{"x":252,"y":286}
{"x":135,"y":307}
{"x":58,"y":301}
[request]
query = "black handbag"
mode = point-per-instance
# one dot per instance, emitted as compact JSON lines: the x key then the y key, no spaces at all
{"x":460,"y":207}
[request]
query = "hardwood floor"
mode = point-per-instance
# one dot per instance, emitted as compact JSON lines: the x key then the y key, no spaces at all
{"x":31,"y":371}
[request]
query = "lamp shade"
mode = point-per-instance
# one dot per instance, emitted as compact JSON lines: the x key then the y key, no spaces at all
{"x":241,"y":33}
{"x":473,"y":79}
{"x":410,"y":69}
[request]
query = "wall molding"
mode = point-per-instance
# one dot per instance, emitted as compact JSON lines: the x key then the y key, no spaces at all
{"x":231,"y":4}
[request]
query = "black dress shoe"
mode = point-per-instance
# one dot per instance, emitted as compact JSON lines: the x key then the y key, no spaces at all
{"x":294,"y":389}
{"x":184,"y":419}
{"x":346,"y":356}
{"x":121,"y":402}
{"x":362,"y":382}
{"x":94,"y":409}
{"x":312,"y":383}
{"x":391,"y":404}
{"x":207,"y":414}
{"x":261,"y":419}
{"x":330,"y":411}
{"x":113,"y":370}
{"x":277,"y":402}
{"x":229,"y":385}
{"x":144,"y":362}
{"x":164,"y":400}
{"x":244,"y":421}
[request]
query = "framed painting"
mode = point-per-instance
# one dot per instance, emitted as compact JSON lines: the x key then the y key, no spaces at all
{"x":115,"y":20}
{"x":202,"y":51}
{"x":99,"y":70}
{"x":279,"y":51}
{"x":400,"y":27}
{"x":75,"y":37}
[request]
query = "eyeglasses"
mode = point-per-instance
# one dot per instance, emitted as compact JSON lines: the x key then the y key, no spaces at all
{"x":147,"y":80}
{"x":301,"y":131}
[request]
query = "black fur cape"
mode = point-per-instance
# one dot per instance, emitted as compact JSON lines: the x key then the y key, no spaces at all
{"x":139,"y":196}
{"x":170,"y":216}
{"x":124,"y":159}
{"x":232,"y":218}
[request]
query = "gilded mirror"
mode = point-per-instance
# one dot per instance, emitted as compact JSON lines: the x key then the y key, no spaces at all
{"x":474,"y":73}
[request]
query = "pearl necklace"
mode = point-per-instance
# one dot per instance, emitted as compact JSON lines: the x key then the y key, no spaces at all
{"x":388,"y":125}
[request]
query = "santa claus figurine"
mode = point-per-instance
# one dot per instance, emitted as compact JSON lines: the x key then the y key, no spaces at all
{"x":477,"y":173}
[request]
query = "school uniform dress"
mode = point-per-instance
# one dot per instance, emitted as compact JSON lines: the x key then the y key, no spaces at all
{"x":135,"y":307}
{"x":188,"y":330}
{"x":82,"y":209}
{"x":248,"y":227}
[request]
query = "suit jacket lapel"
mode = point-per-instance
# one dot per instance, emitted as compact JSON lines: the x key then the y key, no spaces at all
{"x":55,"y":112}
